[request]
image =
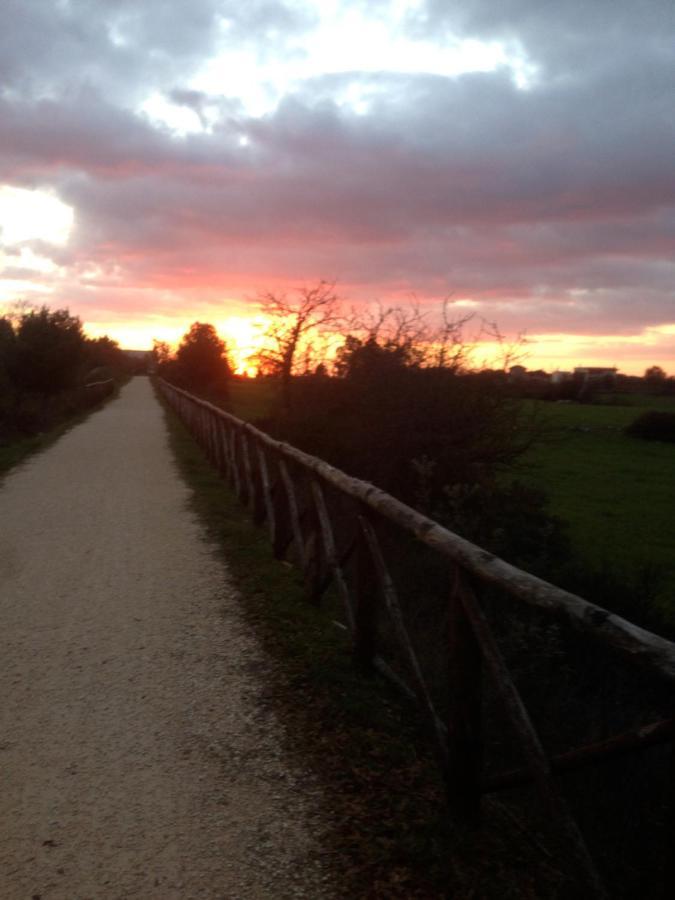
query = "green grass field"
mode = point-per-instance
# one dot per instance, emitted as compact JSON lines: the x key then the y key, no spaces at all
{"x":251,"y":398}
{"x":616,"y":493}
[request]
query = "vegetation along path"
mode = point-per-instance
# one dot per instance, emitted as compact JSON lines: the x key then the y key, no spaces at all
{"x":136,"y":759}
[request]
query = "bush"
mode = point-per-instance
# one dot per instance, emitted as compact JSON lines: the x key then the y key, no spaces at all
{"x":511,"y":521}
{"x":653,"y":426}
{"x":382,"y":429}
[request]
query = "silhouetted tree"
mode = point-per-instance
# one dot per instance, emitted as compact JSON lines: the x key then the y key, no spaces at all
{"x":104,"y":358}
{"x":363,"y":360}
{"x":291,"y":321}
{"x":655,"y":378}
{"x":201,"y":360}
{"x":6,"y":342}
{"x":6,"y":353}
{"x":48,"y":352}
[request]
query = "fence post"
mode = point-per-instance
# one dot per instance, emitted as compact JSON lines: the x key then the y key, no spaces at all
{"x":248,"y":474}
{"x":258,"y":502}
{"x":210,"y":443}
{"x":294,"y":514}
{"x":465,"y":745}
{"x":266,"y":491}
{"x":233,"y":471}
{"x":224,"y":450}
{"x":365,"y":614}
{"x":242,"y":473}
{"x":669,"y":861}
{"x":530,"y":744}
{"x":316,"y":572}
{"x":330,"y":553}
{"x":283,"y":533}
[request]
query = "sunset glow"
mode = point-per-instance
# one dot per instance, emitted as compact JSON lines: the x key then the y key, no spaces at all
{"x":33,"y":216}
{"x":154,"y":177}
{"x":244,"y":337}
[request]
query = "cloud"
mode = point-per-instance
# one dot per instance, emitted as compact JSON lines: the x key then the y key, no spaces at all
{"x":552,"y":207}
{"x":127,"y":48}
{"x":571,"y":40}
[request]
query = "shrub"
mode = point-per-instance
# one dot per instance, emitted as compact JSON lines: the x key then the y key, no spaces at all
{"x":653,"y":426}
{"x":380,"y":429}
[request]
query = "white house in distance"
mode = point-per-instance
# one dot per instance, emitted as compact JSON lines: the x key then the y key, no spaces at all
{"x":594,"y":373}
{"x":583,"y":374}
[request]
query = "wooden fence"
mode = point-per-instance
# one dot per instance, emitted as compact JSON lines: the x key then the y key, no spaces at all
{"x":286,"y":489}
{"x":97,"y":390}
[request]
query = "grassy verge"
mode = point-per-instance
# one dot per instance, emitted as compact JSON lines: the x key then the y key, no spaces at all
{"x":252,"y":398}
{"x":16,"y":452}
{"x":616,"y":493}
{"x":386,"y":826}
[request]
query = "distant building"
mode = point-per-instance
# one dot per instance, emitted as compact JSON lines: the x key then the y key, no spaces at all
{"x":560,"y":377}
{"x":517,"y":372}
{"x":595,"y":373}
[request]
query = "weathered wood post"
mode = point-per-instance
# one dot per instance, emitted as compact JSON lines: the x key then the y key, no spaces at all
{"x":330,"y":553}
{"x":201,"y":428}
{"x":258,"y":504}
{"x":224,"y":449}
{"x":233,"y":471}
{"x":283,"y":532}
{"x":208,"y":437}
{"x":249,"y":497}
{"x":365,"y":614}
{"x":266,"y":486}
{"x":463,"y":769}
{"x":240,"y":465}
{"x":668,"y":888}
{"x":294,"y":514}
{"x":215,"y":444}
{"x":317,"y":573}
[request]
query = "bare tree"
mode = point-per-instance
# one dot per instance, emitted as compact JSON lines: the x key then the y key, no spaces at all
{"x":448,"y":344}
{"x":295,"y":324}
{"x":510,"y":351}
{"x":411,"y":332}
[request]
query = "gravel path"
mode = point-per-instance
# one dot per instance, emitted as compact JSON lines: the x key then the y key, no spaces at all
{"x":135,"y":757}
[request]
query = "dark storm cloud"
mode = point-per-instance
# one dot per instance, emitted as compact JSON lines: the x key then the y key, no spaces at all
{"x":554,"y":206}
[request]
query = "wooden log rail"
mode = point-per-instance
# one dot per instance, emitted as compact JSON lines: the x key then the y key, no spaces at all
{"x":99,"y":389}
{"x":286,"y":490}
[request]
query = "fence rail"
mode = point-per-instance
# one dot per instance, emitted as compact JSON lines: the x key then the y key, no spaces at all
{"x":98,"y":390}
{"x":286,"y":489}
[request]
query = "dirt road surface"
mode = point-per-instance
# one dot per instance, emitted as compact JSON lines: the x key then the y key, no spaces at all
{"x":135,"y":757}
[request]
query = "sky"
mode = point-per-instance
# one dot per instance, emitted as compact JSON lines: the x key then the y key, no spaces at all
{"x":164,"y":162}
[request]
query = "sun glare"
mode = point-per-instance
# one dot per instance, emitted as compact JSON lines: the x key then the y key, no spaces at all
{"x":33,"y":216}
{"x":244,"y":338}
{"x":242,"y":335}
